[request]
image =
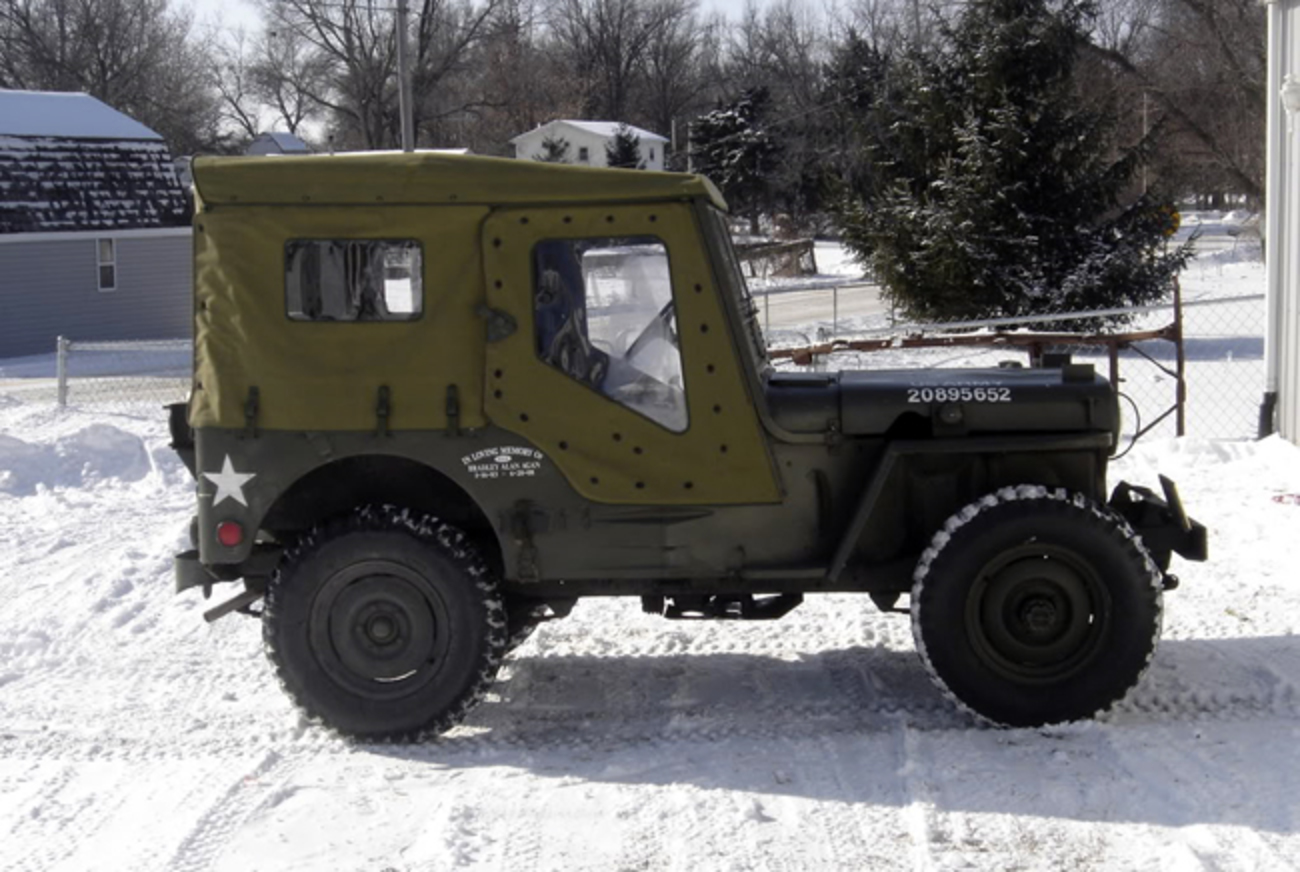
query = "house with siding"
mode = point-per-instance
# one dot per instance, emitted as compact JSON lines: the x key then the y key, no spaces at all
{"x":587,"y":141}
{"x":94,"y":226}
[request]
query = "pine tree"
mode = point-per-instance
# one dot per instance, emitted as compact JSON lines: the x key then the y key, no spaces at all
{"x":730,"y":146}
{"x":993,"y":190}
{"x":555,"y":149}
{"x":624,"y":150}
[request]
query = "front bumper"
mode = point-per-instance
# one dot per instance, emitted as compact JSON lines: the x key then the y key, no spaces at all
{"x":1162,"y":523}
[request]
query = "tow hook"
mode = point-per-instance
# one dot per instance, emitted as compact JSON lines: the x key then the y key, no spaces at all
{"x":1171,"y":581}
{"x":254,"y":590}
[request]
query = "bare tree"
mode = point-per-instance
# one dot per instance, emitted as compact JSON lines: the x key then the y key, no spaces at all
{"x":234,"y":77}
{"x":1206,"y":68}
{"x":607,"y":42}
{"x":136,"y":55}
{"x":346,"y":62}
{"x":449,"y":38}
{"x":286,"y":73}
{"x":354,"y":41}
{"x":880,"y":24}
{"x":1127,"y":26}
{"x":677,"y":75}
{"x":266,"y":81}
{"x":522,"y":78}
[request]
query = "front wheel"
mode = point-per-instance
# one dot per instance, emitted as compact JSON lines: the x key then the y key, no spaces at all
{"x":385,"y":624}
{"x":1034,"y":607}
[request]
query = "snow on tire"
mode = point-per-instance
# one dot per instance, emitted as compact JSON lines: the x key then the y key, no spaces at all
{"x":385,"y":624}
{"x":1034,"y":606}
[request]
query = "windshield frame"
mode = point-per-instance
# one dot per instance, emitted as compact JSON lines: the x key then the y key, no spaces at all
{"x":737,"y":300}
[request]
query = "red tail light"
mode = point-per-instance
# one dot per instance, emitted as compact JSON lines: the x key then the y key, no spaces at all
{"x":229,"y":533}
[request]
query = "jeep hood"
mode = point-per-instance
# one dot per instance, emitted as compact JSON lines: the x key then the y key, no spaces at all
{"x":954,"y":401}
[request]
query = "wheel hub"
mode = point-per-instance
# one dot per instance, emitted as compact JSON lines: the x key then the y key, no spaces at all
{"x":1039,"y":616}
{"x":381,"y":628}
{"x":1033,"y":614}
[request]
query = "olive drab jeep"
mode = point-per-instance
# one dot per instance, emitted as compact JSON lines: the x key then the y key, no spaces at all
{"x":437,"y":399}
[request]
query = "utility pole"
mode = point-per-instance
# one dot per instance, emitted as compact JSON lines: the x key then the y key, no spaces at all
{"x":404,"y":81}
{"x":1146,"y":131}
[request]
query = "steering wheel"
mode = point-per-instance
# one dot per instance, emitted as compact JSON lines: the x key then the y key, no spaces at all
{"x":660,"y":327}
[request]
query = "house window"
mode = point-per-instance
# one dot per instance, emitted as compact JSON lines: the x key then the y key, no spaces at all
{"x":604,"y":316}
{"x":353,"y":280}
{"x":582,"y":154}
{"x":107,"y":255}
{"x":652,"y":153}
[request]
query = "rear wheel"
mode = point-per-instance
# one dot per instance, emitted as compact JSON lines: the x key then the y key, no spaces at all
{"x":385,"y":624}
{"x":1033,"y":607}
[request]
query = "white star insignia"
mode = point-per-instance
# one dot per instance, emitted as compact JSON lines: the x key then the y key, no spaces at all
{"x":230,"y":484}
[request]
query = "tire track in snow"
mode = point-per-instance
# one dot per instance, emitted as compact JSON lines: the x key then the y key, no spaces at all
{"x":523,"y":845}
{"x":42,"y":824}
{"x":199,"y":849}
{"x":918,"y":813}
{"x":536,"y":719}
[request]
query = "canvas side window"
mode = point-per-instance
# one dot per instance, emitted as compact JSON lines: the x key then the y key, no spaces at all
{"x":583,"y":154}
{"x":605,"y":317}
{"x":353,"y":279}
{"x":106,"y":252}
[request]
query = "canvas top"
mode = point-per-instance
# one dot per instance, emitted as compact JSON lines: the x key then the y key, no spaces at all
{"x":66,"y":115}
{"x":370,"y":178}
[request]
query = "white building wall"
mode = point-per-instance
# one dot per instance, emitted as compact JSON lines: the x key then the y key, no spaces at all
{"x":49,"y":287}
{"x":1283,"y":220}
{"x":529,"y":146}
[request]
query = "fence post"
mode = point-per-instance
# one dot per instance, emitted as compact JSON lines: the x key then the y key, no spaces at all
{"x":61,"y":369}
{"x":767,"y":312}
{"x":1181,"y":351}
{"x":835,"y":311}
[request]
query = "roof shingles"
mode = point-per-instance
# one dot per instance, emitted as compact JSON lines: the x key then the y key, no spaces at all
{"x":50,"y":184}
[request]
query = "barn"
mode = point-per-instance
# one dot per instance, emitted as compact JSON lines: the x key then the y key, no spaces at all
{"x":95,"y":242}
{"x":1282,"y":246}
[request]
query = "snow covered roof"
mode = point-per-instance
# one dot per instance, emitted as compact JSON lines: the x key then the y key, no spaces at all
{"x":605,"y":129}
{"x":76,"y":116}
{"x":278,"y":142}
{"x":50,"y":184}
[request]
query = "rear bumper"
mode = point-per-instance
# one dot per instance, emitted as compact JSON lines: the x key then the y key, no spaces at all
{"x":1161,"y":522}
{"x":191,"y":572}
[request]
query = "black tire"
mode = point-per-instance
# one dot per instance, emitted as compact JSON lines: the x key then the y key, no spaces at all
{"x":385,"y":625}
{"x":1035,"y":607}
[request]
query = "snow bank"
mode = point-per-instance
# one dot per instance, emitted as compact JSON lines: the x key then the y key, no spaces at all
{"x":89,"y":456}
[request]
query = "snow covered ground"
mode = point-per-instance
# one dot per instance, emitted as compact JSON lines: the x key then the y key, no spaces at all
{"x":133,"y":736}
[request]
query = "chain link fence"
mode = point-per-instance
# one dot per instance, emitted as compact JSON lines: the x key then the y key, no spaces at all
{"x":1220,"y":353}
{"x":102,"y":375}
{"x":123,"y":373}
{"x":1222,"y":357}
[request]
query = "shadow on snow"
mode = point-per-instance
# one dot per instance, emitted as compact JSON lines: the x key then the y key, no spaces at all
{"x":1208,"y":736}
